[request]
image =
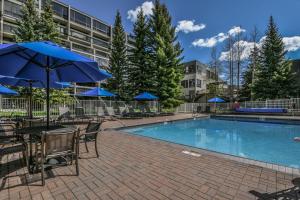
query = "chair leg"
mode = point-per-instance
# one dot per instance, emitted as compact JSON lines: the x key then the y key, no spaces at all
{"x":96,"y":148}
{"x":42,"y":174}
{"x":85,"y":143}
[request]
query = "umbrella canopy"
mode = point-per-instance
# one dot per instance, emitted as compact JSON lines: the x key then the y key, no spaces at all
{"x":48,"y":62}
{"x":7,"y":80}
{"x":5,"y":90}
{"x":97,"y":92}
{"x":216,"y":100}
{"x":145,"y":96}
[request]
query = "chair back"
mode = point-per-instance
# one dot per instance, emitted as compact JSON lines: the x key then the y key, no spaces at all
{"x":7,"y":129}
{"x":100,"y":111}
{"x":61,"y":141}
{"x":79,"y":112}
{"x":93,"y":127}
{"x":110,"y":110}
{"x":64,"y":112}
{"x":122,"y":110}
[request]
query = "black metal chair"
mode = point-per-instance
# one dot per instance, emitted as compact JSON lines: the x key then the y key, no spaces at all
{"x":90,"y":133}
{"x":291,"y":193}
{"x":11,"y":143}
{"x":58,"y":144}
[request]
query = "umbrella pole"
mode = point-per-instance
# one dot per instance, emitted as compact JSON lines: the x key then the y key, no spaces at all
{"x":48,"y":92}
{"x":30,"y":100}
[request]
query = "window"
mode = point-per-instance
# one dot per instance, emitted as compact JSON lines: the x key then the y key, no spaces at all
{"x":60,"y":10}
{"x":81,"y":48}
{"x":184,"y":84}
{"x":12,"y":9}
{"x":80,"y":19}
{"x":190,"y":69}
{"x":191,"y":83}
{"x":199,"y":83}
{"x":102,"y":62}
{"x":100,"y":53}
{"x":98,"y":26}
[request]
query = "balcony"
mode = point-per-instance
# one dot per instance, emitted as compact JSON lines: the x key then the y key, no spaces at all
{"x":101,"y":43}
{"x":99,"y":26}
{"x":80,"y":19}
{"x":12,"y":9}
{"x":81,"y":36}
{"x":9,"y":28}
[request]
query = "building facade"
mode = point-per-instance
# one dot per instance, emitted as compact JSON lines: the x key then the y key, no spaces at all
{"x":197,"y":76}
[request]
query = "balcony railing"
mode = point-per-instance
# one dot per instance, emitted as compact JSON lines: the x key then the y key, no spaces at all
{"x":100,"y":42}
{"x":9,"y":28}
{"x":81,"y":36}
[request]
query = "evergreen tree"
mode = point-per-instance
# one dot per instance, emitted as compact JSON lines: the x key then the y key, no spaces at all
{"x":249,"y":74}
{"x":140,"y":73}
{"x":28,"y":24}
{"x":118,"y":60}
{"x":48,"y":29}
{"x":166,"y":57}
{"x":274,"y":78}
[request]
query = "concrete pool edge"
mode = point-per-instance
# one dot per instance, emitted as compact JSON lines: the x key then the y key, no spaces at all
{"x":275,"y":167}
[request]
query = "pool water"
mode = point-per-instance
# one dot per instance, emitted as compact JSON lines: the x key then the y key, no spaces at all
{"x":267,"y":142}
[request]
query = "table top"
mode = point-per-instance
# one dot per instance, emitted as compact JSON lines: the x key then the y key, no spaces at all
{"x":37,"y":130}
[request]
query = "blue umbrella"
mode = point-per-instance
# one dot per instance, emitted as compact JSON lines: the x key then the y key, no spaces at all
{"x":145,"y":96}
{"x":97,"y":92}
{"x":5,"y":90}
{"x":48,"y":62}
{"x":7,"y":80}
{"x":216,"y":100}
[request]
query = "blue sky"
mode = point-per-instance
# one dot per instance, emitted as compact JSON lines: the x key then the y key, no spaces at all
{"x":207,"y":23}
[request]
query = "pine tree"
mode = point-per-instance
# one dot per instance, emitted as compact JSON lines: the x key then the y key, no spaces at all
{"x":249,"y":74}
{"x":166,"y":57}
{"x":48,"y":29}
{"x":140,"y":72}
{"x":28,"y":24}
{"x":274,"y":78}
{"x":118,"y":60}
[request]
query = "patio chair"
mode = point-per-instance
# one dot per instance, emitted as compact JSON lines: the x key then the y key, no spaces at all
{"x":111,"y":112}
{"x":64,"y":115}
{"x":90,"y":133}
{"x":11,"y":143}
{"x":58,"y":144}
{"x":80,"y":115}
{"x":291,"y":193}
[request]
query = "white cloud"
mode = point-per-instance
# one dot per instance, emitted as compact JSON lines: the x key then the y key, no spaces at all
{"x":210,"y":42}
{"x":221,"y":37}
{"x":236,"y":30}
{"x":291,"y":43}
{"x":188,"y":26}
{"x":147,"y":7}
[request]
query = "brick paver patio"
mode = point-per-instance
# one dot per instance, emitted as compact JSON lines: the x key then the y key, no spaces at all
{"x":134,"y":167}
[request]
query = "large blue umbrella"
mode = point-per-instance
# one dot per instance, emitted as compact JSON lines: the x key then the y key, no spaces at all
{"x":48,"y":62}
{"x":145,"y":96}
{"x":5,"y":90}
{"x":216,"y":100}
{"x":97,"y":92}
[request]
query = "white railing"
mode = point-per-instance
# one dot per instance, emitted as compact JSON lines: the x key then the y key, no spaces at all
{"x":19,"y":106}
{"x":292,"y":105}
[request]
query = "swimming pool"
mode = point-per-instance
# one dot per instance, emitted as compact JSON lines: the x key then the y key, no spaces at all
{"x":266,"y":142}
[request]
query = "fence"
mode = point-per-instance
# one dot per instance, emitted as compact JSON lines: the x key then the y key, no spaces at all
{"x":292,"y":105}
{"x":19,"y":106}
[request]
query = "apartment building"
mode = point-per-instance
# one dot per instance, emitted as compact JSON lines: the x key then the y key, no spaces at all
{"x":197,"y":76}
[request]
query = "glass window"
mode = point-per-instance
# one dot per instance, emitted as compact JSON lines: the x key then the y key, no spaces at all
{"x":98,"y":26}
{"x":80,"y":18}
{"x":81,"y":48}
{"x":60,"y":10}
{"x":102,"y":62}
{"x":199,"y":83}
{"x":184,"y":84}
{"x":12,"y":9}
{"x":192,"y":83}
